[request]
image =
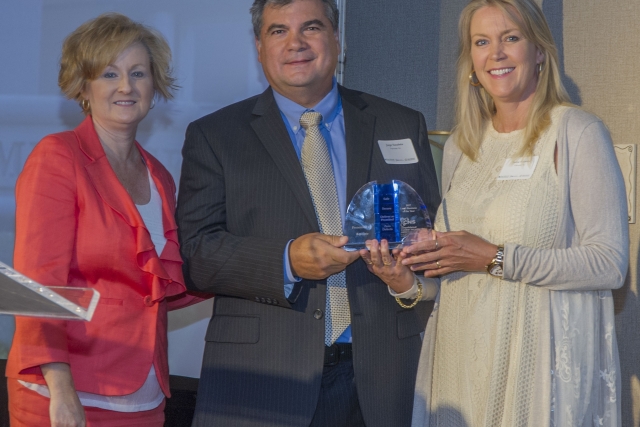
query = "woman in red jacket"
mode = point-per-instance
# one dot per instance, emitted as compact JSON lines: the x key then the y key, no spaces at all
{"x":94,"y":209}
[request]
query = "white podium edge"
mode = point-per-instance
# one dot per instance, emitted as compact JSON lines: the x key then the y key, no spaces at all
{"x":49,"y":292}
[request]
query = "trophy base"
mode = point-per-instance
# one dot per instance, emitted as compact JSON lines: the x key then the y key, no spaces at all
{"x":350,"y":247}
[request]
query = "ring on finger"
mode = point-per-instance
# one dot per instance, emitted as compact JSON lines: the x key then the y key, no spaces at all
{"x":368,"y":261}
{"x":386,"y":262}
{"x":438,"y":264}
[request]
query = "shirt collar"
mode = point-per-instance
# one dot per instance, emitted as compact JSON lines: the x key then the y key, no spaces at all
{"x":330,"y":106}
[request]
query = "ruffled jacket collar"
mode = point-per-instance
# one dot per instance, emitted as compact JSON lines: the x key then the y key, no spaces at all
{"x":166,"y":269}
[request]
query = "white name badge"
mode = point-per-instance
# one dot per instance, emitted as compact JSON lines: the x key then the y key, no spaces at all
{"x":398,"y":152}
{"x":518,"y":168}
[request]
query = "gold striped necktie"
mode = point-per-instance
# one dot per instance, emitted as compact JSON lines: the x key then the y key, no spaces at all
{"x":318,"y":170}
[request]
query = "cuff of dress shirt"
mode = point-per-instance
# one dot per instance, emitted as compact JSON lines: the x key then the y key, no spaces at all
{"x":430,"y":288}
{"x":289,"y":278}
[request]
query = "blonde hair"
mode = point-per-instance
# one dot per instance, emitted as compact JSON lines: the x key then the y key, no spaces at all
{"x":474,"y":106}
{"x":98,"y":42}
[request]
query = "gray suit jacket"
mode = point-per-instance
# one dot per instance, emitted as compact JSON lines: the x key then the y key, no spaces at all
{"x":242,"y":197}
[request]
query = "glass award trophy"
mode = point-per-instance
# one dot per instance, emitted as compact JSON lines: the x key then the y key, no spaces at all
{"x":21,"y":296}
{"x":391,"y":211}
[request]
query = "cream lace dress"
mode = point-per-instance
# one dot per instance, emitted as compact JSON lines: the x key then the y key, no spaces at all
{"x":494,"y":354}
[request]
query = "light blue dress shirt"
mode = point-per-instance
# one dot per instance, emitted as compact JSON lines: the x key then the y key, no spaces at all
{"x":332,"y":129}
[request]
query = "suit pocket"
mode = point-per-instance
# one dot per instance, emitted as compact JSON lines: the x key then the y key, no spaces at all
{"x":84,"y":301}
{"x":409,"y":324}
{"x":234,"y":329}
{"x":110,"y":301}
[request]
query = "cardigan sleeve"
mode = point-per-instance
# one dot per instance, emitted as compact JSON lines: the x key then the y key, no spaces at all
{"x":46,"y":217}
{"x":593,"y":252}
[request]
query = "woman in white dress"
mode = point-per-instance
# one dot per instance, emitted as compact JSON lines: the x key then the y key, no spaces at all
{"x":523,"y":330}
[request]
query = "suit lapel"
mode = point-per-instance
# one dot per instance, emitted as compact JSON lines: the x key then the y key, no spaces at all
{"x":116,"y":197}
{"x":103,"y":177}
{"x":273,"y":134}
{"x":359,"y":133}
{"x":166,"y":189}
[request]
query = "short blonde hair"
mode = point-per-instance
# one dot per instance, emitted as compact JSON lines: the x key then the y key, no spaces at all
{"x":474,"y":106}
{"x":98,"y":42}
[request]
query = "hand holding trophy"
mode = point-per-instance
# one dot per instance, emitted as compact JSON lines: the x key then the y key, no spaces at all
{"x":382,"y":218}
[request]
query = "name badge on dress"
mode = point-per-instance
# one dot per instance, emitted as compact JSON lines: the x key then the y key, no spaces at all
{"x":398,"y":152}
{"x":521,"y":168}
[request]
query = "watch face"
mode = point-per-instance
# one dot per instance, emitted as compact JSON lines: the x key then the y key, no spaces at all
{"x":496,"y":270}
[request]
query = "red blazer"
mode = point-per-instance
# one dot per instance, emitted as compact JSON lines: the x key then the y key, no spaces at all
{"x":77,"y":226}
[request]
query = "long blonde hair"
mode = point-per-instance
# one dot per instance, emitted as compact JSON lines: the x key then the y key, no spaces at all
{"x":474,"y":106}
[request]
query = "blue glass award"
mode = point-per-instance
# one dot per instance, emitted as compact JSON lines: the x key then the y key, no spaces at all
{"x":390,"y":211}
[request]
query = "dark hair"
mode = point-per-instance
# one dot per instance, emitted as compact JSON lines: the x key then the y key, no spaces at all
{"x":330,"y":10}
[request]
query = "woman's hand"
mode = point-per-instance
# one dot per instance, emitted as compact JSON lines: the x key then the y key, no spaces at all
{"x":387,"y":265}
{"x":65,"y":409}
{"x":449,"y":252}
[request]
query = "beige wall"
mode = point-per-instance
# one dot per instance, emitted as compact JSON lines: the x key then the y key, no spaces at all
{"x":602,"y":57}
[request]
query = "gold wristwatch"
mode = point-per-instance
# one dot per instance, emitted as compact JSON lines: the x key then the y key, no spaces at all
{"x":495,"y":266}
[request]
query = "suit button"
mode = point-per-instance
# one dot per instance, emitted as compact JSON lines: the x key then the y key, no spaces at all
{"x":147,"y":301}
{"x":262,"y":300}
{"x":257,"y":299}
{"x":268,"y":300}
{"x":275,"y":301}
{"x":318,"y":314}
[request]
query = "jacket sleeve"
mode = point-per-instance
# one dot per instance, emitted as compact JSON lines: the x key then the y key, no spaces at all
{"x":186,"y":299}
{"x":597,"y":255}
{"x":215,"y":260}
{"x":46,"y":219}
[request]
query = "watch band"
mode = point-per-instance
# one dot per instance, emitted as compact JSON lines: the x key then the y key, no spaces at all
{"x":495,"y":267}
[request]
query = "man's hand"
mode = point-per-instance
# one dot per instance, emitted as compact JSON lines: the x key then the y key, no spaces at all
{"x":316,"y":256}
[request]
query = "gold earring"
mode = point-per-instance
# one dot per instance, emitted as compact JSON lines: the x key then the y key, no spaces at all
{"x":540,"y":67}
{"x":473,"y":79}
{"x":84,"y":104}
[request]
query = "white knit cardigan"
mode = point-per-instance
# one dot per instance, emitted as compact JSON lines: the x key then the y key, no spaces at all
{"x":589,"y":257}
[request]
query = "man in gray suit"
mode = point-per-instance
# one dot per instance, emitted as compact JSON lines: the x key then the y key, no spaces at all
{"x":253,"y":199}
